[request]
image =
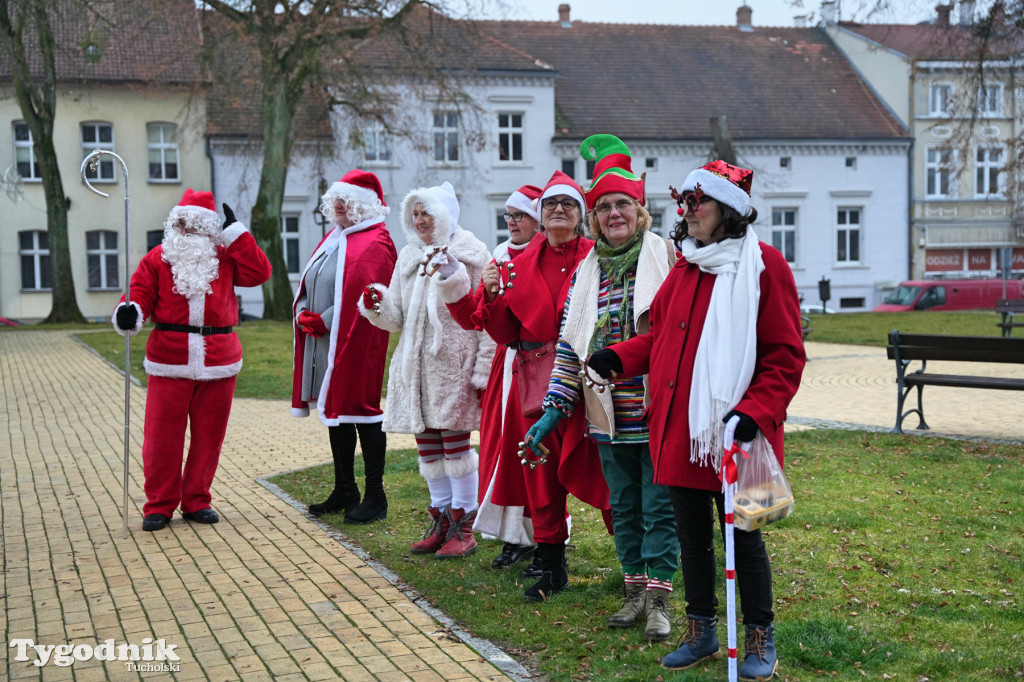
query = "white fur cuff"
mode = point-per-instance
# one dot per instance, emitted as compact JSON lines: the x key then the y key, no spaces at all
{"x":432,"y":470}
{"x":232,"y":232}
{"x":456,"y":287}
{"x":139,"y":321}
{"x":460,"y":466}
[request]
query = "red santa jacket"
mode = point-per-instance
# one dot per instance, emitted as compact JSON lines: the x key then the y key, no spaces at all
{"x":182,"y":355}
{"x":668,"y":351}
{"x":358,"y":350}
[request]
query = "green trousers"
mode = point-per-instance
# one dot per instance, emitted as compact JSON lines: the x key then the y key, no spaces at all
{"x":642,"y":515}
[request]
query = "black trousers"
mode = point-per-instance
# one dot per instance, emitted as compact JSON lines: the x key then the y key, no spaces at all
{"x":695,"y":529}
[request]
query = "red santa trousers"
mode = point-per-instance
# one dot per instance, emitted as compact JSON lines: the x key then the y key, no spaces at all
{"x":171,"y":405}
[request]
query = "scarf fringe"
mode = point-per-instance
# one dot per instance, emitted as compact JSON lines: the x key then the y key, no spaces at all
{"x":706,"y":446}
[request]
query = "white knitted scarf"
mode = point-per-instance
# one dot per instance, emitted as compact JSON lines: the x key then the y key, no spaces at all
{"x":727,"y":352}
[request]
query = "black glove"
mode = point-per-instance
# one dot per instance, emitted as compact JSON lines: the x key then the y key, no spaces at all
{"x":127,"y":317}
{"x":605,"y":362}
{"x":229,"y":216}
{"x":746,"y":430}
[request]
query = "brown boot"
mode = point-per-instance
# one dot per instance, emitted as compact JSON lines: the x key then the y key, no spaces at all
{"x":436,"y":534}
{"x":461,"y":540}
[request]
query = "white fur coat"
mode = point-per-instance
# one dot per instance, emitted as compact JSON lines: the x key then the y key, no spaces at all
{"x":437,"y":367}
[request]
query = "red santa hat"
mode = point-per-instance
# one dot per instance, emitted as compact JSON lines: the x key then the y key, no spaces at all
{"x":198,"y":201}
{"x":560,"y":183}
{"x":362,"y":186}
{"x":525,"y":199}
{"x":723,"y":182}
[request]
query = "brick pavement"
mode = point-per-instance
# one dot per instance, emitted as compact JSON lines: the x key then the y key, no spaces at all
{"x":266,"y":593}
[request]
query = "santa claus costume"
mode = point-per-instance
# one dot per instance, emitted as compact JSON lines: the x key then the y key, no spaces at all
{"x":724,"y":341}
{"x":509,"y":523}
{"x":526,"y":318}
{"x":438,"y":368}
{"x":339,"y":356}
{"x":186,"y":286}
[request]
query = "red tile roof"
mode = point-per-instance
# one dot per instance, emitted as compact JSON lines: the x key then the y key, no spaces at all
{"x":138,"y":42}
{"x":928,"y":41}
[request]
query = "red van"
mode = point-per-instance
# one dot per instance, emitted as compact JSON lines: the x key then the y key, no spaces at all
{"x":949,"y":294}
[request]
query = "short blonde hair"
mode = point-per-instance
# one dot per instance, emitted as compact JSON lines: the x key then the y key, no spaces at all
{"x":643,"y":220}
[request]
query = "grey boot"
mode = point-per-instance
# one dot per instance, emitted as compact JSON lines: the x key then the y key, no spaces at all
{"x":632,"y":609}
{"x":761,"y":661}
{"x":659,"y":621}
{"x":699,"y":643}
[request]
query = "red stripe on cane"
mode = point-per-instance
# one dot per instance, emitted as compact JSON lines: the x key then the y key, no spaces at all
{"x":732,"y":653}
{"x":728,"y":518}
{"x":730,"y":574}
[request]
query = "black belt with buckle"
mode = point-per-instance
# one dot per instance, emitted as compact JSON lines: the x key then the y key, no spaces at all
{"x":192,"y":329}
{"x":525,"y":345}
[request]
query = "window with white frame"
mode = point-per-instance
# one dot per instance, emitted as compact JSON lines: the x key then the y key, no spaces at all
{"x":162,"y":148}
{"x":657,"y":222}
{"x":101,"y":259}
{"x":990,"y":99}
{"x":376,"y":143}
{"x":290,"y":243}
{"x":938,"y":170}
{"x":784,"y":232}
{"x":510,"y":136}
{"x":446,"y":136}
{"x":848,"y":235}
{"x":989,"y":164}
{"x":24,"y":153}
{"x":500,"y":227}
{"x":99,"y":136}
{"x":34,"y":249}
{"x":940,"y":99}
{"x":569,"y":167}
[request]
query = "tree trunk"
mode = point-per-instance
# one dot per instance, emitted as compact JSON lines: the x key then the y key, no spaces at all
{"x":278,"y":121}
{"x":64,"y":307}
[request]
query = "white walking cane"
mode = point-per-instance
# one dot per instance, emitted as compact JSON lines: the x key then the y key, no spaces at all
{"x":728,"y":487}
{"x":92,"y":162}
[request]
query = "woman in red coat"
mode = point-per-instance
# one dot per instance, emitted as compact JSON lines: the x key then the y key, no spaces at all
{"x":526,"y":318}
{"x":339,"y":355}
{"x":725,"y":340}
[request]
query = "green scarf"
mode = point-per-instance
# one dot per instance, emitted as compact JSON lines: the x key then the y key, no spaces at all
{"x":616,"y":263}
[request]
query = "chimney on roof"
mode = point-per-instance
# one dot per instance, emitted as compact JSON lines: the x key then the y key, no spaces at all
{"x":563,"y":15}
{"x":828,"y":12}
{"x":800,"y":21}
{"x":743,"y":14}
{"x":943,"y":15}
{"x":966,"y":12}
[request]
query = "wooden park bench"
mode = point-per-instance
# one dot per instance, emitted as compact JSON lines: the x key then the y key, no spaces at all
{"x":906,"y":348}
{"x":1007,"y":307}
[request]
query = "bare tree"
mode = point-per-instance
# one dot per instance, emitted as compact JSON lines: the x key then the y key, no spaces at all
{"x":309,"y":55}
{"x":25,"y":30}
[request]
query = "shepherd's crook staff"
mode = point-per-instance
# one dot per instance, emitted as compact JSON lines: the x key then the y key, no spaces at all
{"x":92,"y":162}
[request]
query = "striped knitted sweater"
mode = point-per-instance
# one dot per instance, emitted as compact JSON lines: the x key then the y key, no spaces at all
{"x":628,"y":396}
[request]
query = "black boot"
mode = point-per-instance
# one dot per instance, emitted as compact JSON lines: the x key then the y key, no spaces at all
{"x":554,"y":579}
{"x":512,"y":554}
{"x":375,"y":504}
{"x":345,"y":496}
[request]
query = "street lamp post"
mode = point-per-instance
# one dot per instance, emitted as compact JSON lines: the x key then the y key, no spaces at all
{"x":318,"y":217}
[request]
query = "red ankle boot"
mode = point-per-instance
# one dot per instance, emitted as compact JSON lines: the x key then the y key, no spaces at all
{"x":436,"y":534}
{"x":461,"y":540}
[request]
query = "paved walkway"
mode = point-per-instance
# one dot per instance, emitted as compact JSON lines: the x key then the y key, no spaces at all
{"x":266,"y":593}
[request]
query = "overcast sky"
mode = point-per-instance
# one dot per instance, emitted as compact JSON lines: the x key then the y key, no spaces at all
{"x":719,"y":12}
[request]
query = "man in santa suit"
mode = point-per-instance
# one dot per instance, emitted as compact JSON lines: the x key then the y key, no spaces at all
{"x":186,"y":286}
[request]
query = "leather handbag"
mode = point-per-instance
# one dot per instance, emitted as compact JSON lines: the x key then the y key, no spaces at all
{"x":533,"y":369}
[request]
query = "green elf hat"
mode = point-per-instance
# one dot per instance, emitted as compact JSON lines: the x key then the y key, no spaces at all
{"x":613,"y":171}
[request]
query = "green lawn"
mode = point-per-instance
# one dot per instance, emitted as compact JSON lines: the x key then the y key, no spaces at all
{"x":872,"y":329}
{"x":901,"y":561}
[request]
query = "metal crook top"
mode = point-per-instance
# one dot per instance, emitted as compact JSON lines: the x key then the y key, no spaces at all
{"x":92,"y":162}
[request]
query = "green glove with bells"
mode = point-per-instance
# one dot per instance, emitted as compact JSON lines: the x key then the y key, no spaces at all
{"x":544,"y":427}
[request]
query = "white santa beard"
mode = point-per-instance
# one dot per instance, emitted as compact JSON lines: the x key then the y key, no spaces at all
{"x":193,"y":261}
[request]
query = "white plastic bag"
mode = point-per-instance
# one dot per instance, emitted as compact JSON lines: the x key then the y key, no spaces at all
{"x":763,"y":494}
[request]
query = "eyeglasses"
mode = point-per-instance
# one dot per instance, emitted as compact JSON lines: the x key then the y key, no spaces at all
{"x":566,"y":204}
{"x":688,"y":200}
{"x":621,"y":206}
{"x":514,"y":217}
